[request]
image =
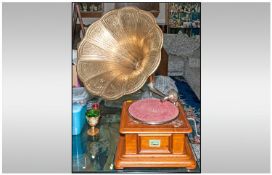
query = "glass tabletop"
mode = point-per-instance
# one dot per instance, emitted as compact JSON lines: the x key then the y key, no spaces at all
{"x":96,"y":153}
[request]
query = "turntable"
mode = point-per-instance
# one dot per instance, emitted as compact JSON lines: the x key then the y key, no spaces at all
{"x":118,"y":54}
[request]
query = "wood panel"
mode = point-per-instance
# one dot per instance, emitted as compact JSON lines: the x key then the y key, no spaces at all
{"x":178,"y":143}
{"x":122,"y":160}
{"x":146,"y":146}
{"x":91,"y":14}
{"x":163,"y":67}
{"x":131,"y":143}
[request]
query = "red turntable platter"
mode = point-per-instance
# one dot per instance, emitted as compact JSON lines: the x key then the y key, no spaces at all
{"x":153,"y":111}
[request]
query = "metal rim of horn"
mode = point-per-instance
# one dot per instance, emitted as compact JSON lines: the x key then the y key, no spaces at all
{"x":119,"y":52}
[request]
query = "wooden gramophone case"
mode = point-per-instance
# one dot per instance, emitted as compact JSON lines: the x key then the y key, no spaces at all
{"x":144,"y":145}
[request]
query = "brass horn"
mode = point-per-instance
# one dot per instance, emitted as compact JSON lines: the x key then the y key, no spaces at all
{"x":119,"y":52}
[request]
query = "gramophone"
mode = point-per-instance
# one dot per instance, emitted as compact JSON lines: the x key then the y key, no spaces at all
{"x":120,"y":53}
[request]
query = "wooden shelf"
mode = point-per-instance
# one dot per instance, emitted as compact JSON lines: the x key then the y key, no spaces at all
{"x":155,"y":13}
{"x":91,"y":9}
{"x":184,"y":27}
{"x":91,"y":14}
{"x":153,"y":7}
